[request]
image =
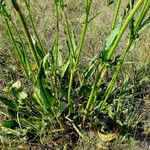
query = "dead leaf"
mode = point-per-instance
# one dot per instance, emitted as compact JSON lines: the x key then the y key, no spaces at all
{"x":109,"y":136}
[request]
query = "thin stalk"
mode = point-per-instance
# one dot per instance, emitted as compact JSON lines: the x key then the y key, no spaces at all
{"x":111,"y":83}
{"x":57,"y":34}
{"x":116,"y":14}
{"x":70,"y":41}
{"x":31,"y":73}
{"x":68,"y":33}
{"x":56,"y":46}
{"x":34,"y":29}
{"x":58,"y":119}
{"x":88,"y":105}
{"x":88,"y":5}
{"x":26,"y":31}
{"x":15,"y":45}
{"x":29,"y":70}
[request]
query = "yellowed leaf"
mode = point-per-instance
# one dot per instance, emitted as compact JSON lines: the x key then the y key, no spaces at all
{"x":109,"y":136}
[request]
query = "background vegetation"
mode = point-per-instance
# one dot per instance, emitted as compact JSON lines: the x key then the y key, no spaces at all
{"x":52,"y":89}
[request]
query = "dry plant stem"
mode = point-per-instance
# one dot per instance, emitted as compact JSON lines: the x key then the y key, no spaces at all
{"x":88,"y":5}
{"x":62,"y":126}
{"x":116,"y":14}
{"x":34,"y":29}
{"x":111,"y":51}
{"x":26,"y":31}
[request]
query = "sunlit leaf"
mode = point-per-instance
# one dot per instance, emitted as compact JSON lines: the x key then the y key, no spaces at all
{"x":17,"y":85}
{"x":64,"y":68}
{"x":109,"y":136}
{"x":110,"y":40}
{"x":22,"y":95}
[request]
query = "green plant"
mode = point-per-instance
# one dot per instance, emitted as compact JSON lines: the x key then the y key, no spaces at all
{"x":61,"y":93}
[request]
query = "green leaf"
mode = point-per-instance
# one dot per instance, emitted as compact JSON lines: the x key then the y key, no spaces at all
{"x":10,"y":124}
{"x":61,"y":108}
{"x":42,"y":90}
{"x":64,"y":68}
{"x":74,"y":42}
{"x":39,"y":51}
{"x":145,"y":24}
{"x":60,"y":62}
{"x":110,"y":40}
{"x":92,"y":67}
{"x":9,"y":103}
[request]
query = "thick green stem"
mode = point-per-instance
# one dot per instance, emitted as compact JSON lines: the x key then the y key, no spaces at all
{"x":116,"y":14}
{"x":26,"y":31}
{"x":111,"y":51}
{"x":142,"y":14}
{"x":126,"y":23}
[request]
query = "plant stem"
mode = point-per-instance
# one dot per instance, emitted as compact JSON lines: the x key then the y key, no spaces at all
{"x":56,"y":47}
{"x":88,"y":105}
{"x":26,"y":31}
{"x":111,"y":51}
{"x":144,"y":10}
{"x":22,"y":51}
{"x":70,"y":41}
{"x":88,"y":5}
{"x":116,"y":14}
{"x":31,"y":73}
{"x":126,"y":23}
{"x":113,"y":80}
{"x":111,"y":83}
{"x":34,"y":29}
{"x":14,"y":44}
